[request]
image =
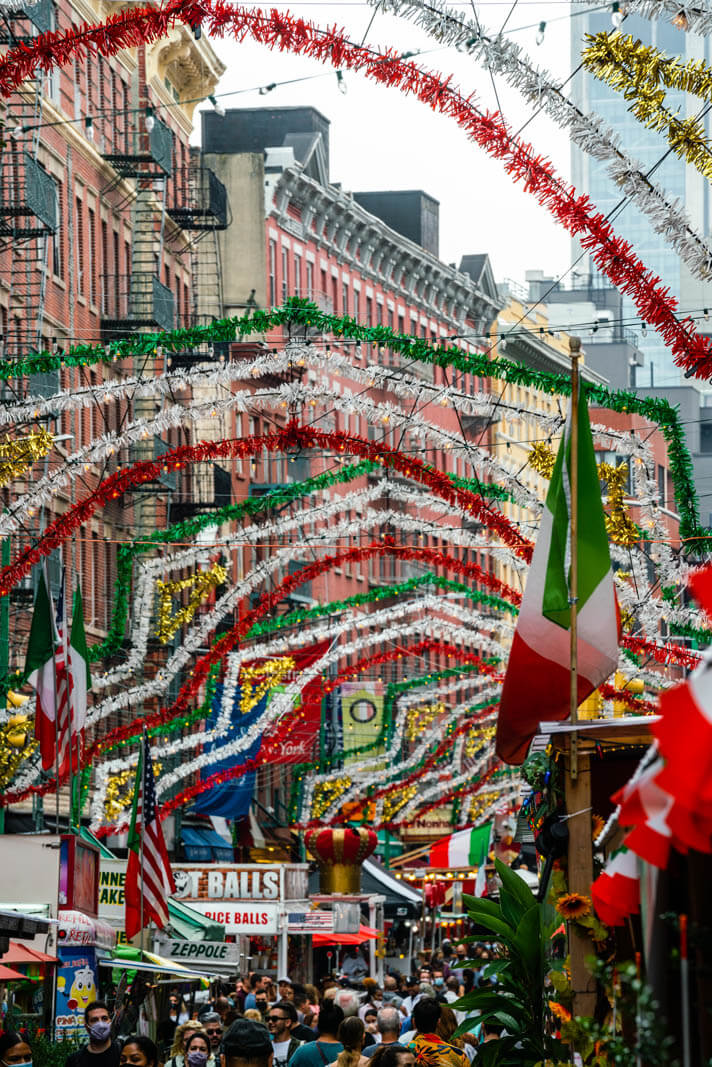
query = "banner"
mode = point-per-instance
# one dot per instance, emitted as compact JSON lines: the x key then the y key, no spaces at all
{"x":291,"y":740}
{"x":77,"y":986}
{"x":361,"y":716}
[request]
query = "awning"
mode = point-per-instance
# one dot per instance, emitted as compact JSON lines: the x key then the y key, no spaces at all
{"x":401,"y":901}
{"x":365,"y":933}
{"x":206,"y":845}
{"x":191,"y":924}
{"x":8,"y":975}
{"x":128,"y":958}
{"x":76,"y":928}
{"x":88,"y":836}
{"x":24,"y":954}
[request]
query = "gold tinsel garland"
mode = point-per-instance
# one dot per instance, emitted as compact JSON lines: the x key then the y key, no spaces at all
{"x":271,"y":673}
{"x":421,"y":716}
{"x":119,"y":791}
{"x":16,"y":742}
{"x":326,"y":793}
{"x":17,"y":456}
{"x":202,"y":583}
{"x":393,"y":802}
{"x":643,"y":74}
{"x":619,"y":526}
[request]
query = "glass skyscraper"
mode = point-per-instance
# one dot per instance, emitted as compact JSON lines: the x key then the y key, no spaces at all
{"x":682,"y":183}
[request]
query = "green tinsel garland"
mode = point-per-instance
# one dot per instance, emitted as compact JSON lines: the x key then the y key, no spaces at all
{"x":302,"y":312}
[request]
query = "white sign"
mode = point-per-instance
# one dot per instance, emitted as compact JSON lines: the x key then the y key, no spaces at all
{"x":246,"y":918}
{"x":222,"y":882}
{"x":112,"y":876}
{"x":201,"y":951}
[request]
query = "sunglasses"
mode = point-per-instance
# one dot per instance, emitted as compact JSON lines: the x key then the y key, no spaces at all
{"x":217,"y":1030}
{"x":277,"y":1019}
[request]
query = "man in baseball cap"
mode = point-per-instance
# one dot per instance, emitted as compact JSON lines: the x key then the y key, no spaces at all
{"x":246,"y":1044}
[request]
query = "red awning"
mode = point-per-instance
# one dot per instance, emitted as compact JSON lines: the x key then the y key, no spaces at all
{"x":8,"y":975}
{"x":24,"y":954}
{"x":366,"y":933}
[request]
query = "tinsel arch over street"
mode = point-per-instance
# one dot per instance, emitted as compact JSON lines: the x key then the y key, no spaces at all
{"x":216,"y":643}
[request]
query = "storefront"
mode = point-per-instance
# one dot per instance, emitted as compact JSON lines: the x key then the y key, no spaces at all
{"x":253,"y":903}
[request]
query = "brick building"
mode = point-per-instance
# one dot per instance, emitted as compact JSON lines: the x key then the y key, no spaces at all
{"x":101,"y":201}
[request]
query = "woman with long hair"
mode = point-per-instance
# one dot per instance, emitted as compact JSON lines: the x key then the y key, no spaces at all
{"x":183,"y":1032}
{"x":350,"y":1034}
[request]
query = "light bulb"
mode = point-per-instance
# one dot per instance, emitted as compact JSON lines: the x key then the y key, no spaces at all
{"x":644,"y":329}
{"x":616,"y":15}
{"x":150,"y":121}
{"x":540,"y":33}
{"x":219,"y":109}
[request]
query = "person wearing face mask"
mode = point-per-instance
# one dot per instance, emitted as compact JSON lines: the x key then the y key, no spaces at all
{"x":139,"y":1051}
{"x":101,"y":1050}
{"x":198,"y":1052}
{"x":14,"y":1051}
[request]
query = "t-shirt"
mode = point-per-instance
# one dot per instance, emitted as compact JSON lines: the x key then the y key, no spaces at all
{"x":384,"y":1044}
{"x":354,"y":967}
{"x":84,"y":1058}
{"x":432,"y":1051}
{"x":316,"y":1054}
{"x":303,"y":1033}
{"x":281,"y":1052}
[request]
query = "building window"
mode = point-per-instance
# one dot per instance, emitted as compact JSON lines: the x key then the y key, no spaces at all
{"x":58,"y":238}
{"x":79,"y":230}
{"x":335,"y":294}
{"x":356,"y":299}
{"x":91,"y":261}
{"x":345,"y":298}
{"x":285,"y":275}
{"x":272,"y":273}
{"x":369,"y":311}
{"x":310,"y":280}
{"x":297,"y":274}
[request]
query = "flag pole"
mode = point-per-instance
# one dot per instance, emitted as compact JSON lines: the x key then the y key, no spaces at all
{"x":142,"y":763}
{"x":575,"y":354}
{"x":54,"y":691}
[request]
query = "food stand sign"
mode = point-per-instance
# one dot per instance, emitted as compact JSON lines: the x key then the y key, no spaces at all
{"x":76,"y":987}
{"x":244,"y":917}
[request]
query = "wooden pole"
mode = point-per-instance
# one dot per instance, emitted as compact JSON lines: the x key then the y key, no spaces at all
{"x":578,"y":779}
{"x":575,"y":352}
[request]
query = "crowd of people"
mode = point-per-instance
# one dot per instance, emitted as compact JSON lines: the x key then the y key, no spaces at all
{"x":350,"y":1021}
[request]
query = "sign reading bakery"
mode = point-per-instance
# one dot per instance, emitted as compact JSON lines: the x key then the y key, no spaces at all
{"x":244,"y":899}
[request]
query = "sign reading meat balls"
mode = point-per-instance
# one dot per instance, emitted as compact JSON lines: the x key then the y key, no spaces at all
{"x":244,"y":899}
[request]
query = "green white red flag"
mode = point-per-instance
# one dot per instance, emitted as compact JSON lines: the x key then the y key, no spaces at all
{"x":40,"y":668}
{"x":466,"y":848}
{"x":537,"y":683}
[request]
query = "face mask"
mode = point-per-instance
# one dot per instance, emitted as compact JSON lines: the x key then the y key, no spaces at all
{"x":197,"y":1058}
{"x":100,"y":1031}
{"x":25,"y":1063}
{"x":439,"y":981}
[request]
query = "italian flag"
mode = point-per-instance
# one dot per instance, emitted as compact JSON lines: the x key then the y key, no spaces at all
{"x":40,"y":668}
{"x":467,"y":848}
{"x":616,"y":891}
{"x":537,"y":683}
{"x":79,"y":665}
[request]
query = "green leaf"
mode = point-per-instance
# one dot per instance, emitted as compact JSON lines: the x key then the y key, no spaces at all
{"x":515,"y":895}
{"x":528,"y":943}
{"x":481,"y":905}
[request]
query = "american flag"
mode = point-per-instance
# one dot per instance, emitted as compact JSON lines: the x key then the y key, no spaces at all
{"x":146,"y":831}
{"x":63,"y":684}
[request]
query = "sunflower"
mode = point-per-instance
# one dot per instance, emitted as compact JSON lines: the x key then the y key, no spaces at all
{"x":559,"y":1011}
{"x":597,"y":824}
{"x":573,"y":905}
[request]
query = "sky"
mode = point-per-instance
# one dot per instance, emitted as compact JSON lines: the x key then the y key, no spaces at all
{"x":381,"y":139}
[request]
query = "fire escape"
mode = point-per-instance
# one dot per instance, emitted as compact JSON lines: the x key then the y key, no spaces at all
{"x":28,"y":196}
{"x":136,"y":298}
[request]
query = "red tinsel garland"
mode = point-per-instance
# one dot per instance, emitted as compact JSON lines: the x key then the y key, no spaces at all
{"x":681,"y":657}
{"x":231,"y":638}
{"x":409,"y":650}
{"x":291,"y":437}
{"x":612,"y":254}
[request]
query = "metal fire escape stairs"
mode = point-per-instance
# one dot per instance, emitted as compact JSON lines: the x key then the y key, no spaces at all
{"x":28,"y":196}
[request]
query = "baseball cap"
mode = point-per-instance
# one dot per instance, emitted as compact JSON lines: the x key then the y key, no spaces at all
{"x":284,"y":979}
{"x":247,"y":1038}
